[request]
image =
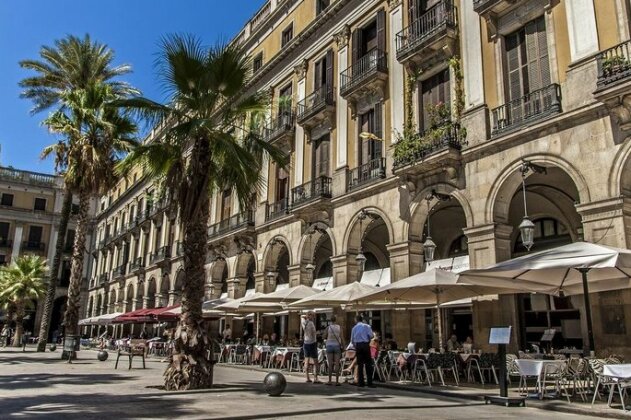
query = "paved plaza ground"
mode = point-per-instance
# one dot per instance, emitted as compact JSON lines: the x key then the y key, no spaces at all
{"x":36,"y":385}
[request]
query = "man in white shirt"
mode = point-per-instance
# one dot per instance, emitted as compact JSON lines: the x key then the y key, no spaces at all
{"x":227,"y":334}
{"x":310,"y":346}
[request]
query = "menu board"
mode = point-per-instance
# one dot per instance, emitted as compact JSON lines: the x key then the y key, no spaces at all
{"x":500,"y":335}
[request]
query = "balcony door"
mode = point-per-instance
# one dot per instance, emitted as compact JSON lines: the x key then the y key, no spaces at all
{"x":528,"y":69}
{"x":323,"y":75}
{"x":282,"y":184}
{"x":285,"y":98}
{"x":369,"y":39}
{"x":35,"y":236}
{"x":434,"y":92}
{"x":320,"y":157}
{"x":226,"y":204}
{"x":369,"y":149}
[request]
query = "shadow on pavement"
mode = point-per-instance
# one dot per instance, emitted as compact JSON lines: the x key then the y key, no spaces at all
{"x":44,"y":380}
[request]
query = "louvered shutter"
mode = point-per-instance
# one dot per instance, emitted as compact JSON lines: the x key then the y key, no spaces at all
{"x":317,"y":81}
{"x":325,"y":156}
{"x":329,"y":69}
{"x":537,"y":53}
{"x":355,"y":47}
{"x":378,"y":130}
{"x":381,"y":30}
{"x":412,"y":11}
{"x":316,"y":146}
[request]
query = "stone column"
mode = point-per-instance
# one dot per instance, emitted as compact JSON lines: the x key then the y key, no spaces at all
{"x":406,"y":259}
{"x":301,"y":73}
{"x":396,"y":77}
{"x":604,"y":221}
{"x":341,"y":109}
{"x":297,"y":276}
{"x":165,"y":230}
{"x":52,"y":242}
{"x":172,"y":297}
{"x":260,"y":282}
{"x":17,"y":241}
{"x":152,"y":233}
{"x":345,"y":269}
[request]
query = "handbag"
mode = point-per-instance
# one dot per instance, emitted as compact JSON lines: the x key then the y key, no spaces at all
{"x":337,"y":338}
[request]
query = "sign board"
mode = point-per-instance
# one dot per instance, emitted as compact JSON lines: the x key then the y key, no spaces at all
{"x":548,"y":335}
{"x":500,"y":335}
{"x":72,"y":343}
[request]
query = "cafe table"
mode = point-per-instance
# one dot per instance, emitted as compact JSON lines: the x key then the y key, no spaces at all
{"x":618,"y":376}
{"x":529,"y":368}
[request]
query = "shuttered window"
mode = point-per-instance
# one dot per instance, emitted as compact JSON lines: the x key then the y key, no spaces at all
{"x":435,"y":90}
{"x":321,"y":156}
{"x":527,"y":61}
{"x":371,"y":122}
{"x":282,"y":184}
{"x":226,"y":204}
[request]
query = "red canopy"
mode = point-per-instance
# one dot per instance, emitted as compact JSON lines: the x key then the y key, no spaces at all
{"x":163,"y":314}
{"x":146,"y":316}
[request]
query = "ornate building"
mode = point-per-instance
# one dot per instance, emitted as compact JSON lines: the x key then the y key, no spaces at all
{"x":396,"y":112}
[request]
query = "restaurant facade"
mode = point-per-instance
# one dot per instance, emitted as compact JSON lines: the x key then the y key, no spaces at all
{"x":408,"y":120}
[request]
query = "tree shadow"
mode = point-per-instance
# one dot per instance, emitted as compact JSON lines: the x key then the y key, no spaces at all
{"x":44,"y":380}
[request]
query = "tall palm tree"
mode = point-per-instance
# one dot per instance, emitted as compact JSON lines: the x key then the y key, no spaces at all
{"x":206,"y":147}
{"x":23,"y":282}
{"x":98,"y":135}
{"x":71,"y":63}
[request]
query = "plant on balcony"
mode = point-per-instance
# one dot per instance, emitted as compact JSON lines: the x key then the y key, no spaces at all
{"x":615,"y":64}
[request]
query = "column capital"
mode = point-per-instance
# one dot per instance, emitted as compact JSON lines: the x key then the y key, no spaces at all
{"x":489,"y":231}
{"x":393,"y":4}
{"x":604,"y":209}
{"x":301,"y":69}
{"x":343,"y":36}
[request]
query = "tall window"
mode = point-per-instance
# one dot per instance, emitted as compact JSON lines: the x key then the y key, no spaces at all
{"x":321,"y":75}
{"x":69,"y":239}
{"x":4,"y":232}
{"x":527,"y":62}
{"x":257,"y":63}
{"x":285,"y":99}
{"x":435,"y":99}
{"x":287,"y":35}
{"x":226,"y":204}
{"x":370,"y":122}
{"x":35,"y":236}
{"x":321,"y":5}
{"x":282,"y":184}
{"x":369,"y":37}
{"x":320,"y":156}
{"x":7,"y":199}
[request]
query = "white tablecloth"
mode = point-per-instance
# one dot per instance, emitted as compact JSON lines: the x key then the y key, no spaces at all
{"x":529,"y":367}
{"x":263,"y":349}
{"x":617,"y":371}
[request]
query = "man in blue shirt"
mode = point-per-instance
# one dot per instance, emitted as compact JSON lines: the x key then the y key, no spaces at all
{"x":360,"y":337}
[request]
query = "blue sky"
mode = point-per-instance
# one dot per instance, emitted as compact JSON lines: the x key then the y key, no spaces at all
{"x":132,"y":28}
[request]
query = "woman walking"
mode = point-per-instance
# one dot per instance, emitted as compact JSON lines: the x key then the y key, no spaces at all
{"x":333,"y":336}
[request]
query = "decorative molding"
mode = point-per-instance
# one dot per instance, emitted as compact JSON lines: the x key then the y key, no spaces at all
{"x":301,"y":69}
{"x":342,"y":37}
{"x":393,"y":4}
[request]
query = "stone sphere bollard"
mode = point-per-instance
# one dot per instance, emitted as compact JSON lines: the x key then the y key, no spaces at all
{"x":52,"y":347}
{"x":102,"y":355}
{"x":274,"y":384}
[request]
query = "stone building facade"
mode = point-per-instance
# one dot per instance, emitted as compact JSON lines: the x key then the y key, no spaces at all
{"x":399,"y":111}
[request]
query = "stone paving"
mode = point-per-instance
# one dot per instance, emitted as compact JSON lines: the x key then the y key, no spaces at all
{"x":36,"y":385}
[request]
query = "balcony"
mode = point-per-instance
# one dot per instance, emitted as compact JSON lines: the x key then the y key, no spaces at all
{"x":366,"y":174}
{"x":435,"y":148}
{"x":33,"y":246}
{"x":120,"y":271}
{"x":526,"y":110}
{"x":27,"y":177}
{"x":136,"y":265}
{"x":232,"y":224}
{"x":6,"y":243}
{"x":277,"y":210}
{"x":493,"y":7}
{"x":103,"y":278}
{"x":161,"y":255}
{"x":430,"y":39}
{"x":311,"y":199}
{"x":281,"y":130}
{"x":368,"y":74}
{"x":317,"y":108}
{"x":613,"y":87}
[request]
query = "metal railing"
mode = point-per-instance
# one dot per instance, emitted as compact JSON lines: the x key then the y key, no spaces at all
{"x":366,"y":173}
{"x":6,"y":243}
{"x":103,"y":278}
{"x":277,"y":209}
{"x":376,"y":61}
{"x":614,"y":64}
{"x":10,"y":174}
{"x":234,"y":222}
{"x":34,"y":245}
{"x":531,"y":107}
{"x":136,"y":264}
{"x":161,"y":254}
{"x":481,"y":5}
{"x":315,"y":102}
{"x":282,"y":123}
{"x":120,"y":271}
{"x":314,"y":189}
{"x":449,"y":137}
{"x":439,"y":17}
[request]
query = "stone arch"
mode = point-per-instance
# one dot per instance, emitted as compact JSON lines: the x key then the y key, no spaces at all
{"x":152,"y":290}
{"x":419,"y":210}
{"x":90,"y":311}
{"x":306,"y":249}
{"x":272,"y":252}
{"x":245,"y":267}
{"x":352,"y":234}
{"x":99,"y":305}
{"x":129,"y":297}
{"x":620,"y":173}
{"x":316,"y":247}
{"x":509,"y":180}
{"x":178,"y":286}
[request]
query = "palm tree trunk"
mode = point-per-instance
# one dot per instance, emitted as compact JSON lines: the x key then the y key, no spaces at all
{"x":190,"y":367}
{"x":44,"y":327}
{"x":19,"y":327}
{"x":71,"y":317}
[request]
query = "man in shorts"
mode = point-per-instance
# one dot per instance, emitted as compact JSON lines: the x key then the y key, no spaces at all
{"x":310,"y":346}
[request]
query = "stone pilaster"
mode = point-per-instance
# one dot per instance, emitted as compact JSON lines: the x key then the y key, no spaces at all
{"x":607,"y":222}
{"x":406,"y":259}
{"x":345,"y":269}
{"x":488,"y":244}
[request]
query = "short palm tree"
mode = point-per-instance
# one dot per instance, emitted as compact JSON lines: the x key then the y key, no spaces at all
{"x":98,"y":135}
{"x":23,"y":282}
{"x":71,"y":63}
{"x":206,"y":146}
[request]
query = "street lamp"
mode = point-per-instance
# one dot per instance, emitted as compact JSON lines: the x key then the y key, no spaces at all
{"x":527,"y":227}
{"x":361,"y":258}
{"x":429,"y":246}
{"x":369,"y":136}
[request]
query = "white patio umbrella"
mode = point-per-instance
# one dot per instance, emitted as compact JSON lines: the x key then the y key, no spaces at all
{"x":239,"y":306}
{"x":337,"y":296}
{"x":281,"y":296}
{"x":208,"y":308}
{"x":577,"y":268}
{"x":434,"y":287}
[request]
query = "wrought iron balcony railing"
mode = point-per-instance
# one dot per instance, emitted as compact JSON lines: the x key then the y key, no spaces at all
{"x":136,"y":264}
{"x":376,"y":61}
{"x":277,"y":209}
{"x":279,"y":125}
{"x":6,"y":243}
{"x":34,"y":245}
{"x":439,"y":17}
{"x":614,"y":64}
{"x":312,"y":190}
{"x":103,"y":278}
{"x":315,"y":102}
{"x":120,"y":271}
{"x":161,"y":254}
{"x":449,"y":136}
{"x":366,"y":173}
{"x":531,"y":107}
{"x":232,"y":223}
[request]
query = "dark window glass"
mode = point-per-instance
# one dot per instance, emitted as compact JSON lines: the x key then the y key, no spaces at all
{"x":287,"y":35}
{"x":40,"y":204}
{"x":321,"y":5}
{"x":7,"y":199}
{"x":258,"y":62}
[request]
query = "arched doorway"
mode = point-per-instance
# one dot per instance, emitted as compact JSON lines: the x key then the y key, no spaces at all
{"x":178,"y":287}
{"x":56,"y":320}
{"x":151,"y":293}
{"x":277,"y":261}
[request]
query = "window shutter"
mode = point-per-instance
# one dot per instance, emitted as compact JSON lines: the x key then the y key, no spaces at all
{"x":381,"y":29}
{"x":329,"y":69}
{"x":537,"y":53}
{"x":316,"y":146}
{"x":378,"y":130}
{"x":514,"y":66}
{"x":324,"y":163}
{"x":317,"y":81}
{"x":412,"y":11}
{"x":356,"y":47}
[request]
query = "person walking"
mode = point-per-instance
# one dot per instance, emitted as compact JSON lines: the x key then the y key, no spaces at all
{"x":333,"y":335}
{"x":360,"y":337}
{"x":310,"y":346}
{"x":4,"y":336}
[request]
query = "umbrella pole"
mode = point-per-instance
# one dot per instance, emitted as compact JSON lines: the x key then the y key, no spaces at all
{"x":440,"y":325}
{"x":588,"y":309}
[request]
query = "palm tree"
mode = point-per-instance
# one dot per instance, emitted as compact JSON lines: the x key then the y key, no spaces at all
{"x":98,"y":135}
{"x":22,"y":283}
{"x":205,"y":147}
{"x":72,"y":63}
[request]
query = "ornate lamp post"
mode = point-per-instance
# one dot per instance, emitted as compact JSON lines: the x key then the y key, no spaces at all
{"x":429,"y":246}
{"x":360,"y":258}
{"x":527,"y":227}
